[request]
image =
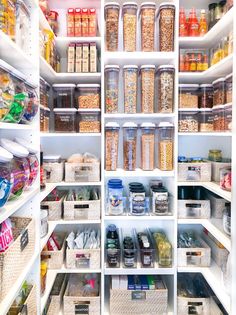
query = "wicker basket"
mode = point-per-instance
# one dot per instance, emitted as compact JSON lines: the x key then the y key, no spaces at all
{"x":53,"y":172}
{"x":82,"y":210}
{"x":203,"y":306}
{"x":199,"y":172}
{"x":55,"y":259}
{"x":29,"y":307}
{"x":83,"y":258}
{"x":14,"y":260}
{"x":194,"y":209}
{"x":216,"y":167}
{"x":217,"y":205}
{"x":54,"y":209}
{"x":128,"y":302}
{"x":57,"y":298}
{"x":82,"y":172}
{"x":200,"y":256}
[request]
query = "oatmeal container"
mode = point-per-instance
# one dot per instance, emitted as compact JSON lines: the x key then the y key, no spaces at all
{"x":165,"y":146}
{"x":206,"y":120}
{"x":65,"y":119}
{"x":147,"y":88}
{"x":64,"y":95}
{"x":112,"y":144}
{"x":112,"y":12}
{"x":130,"y":146}
{"x":130,"y":73}
{"x":89,"y":96}
{"x":188,"y":95}
{"x":148,"y":146}
{"x":166,"y":80}
{"x":148,"y":10}
{"x":166,"y":26}
{"x":129,"y":26}
{"x":111,"y":88}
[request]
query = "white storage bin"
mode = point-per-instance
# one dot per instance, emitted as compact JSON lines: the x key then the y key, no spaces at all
{"x":216,"y":167}
{"x":203,"y":306}
{"x":82,"y":172}
{"x":217,"y":204}
{"x":194,"y":209}
{"x":53,"y":169}
{"x":194,"y":171}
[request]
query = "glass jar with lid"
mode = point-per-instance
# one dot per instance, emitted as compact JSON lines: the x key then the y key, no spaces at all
{"x":166,"y":26}
{"x":188,"y":95}
{"x":215,"y":155}
{"x":6,"y":177}
{"x":112,"y":88}
{"x":206,"y":120}
{"x":219,"y":91}
{"x":147,"y":146}
{"x":112,"y":144}
{"x":129,"y":25}
{"x":165,"y":146}
{"x":112,"y":12}
{"x":130,"y":146}
{"x":64,"y":95}
{"x":148,"y":10}
{"x":229,"y":88}
{"x":19,"y":167}
{"x":32,"y":104}
{"x":147,"y":88}
{"x":206,"y":96}
{"x":166,"y":82}
{"x":115,"y":199}
{"x":130,"y":73}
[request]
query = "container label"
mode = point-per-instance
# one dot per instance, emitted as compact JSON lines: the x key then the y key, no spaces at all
{"x":194,"y":258}
{"x":82,"y":261}
{"x":138,"y":295}
{"x":24,"y":240}
{"x":81,"y":309}
{"x":194,"y":173}
{"x":193,"y":209}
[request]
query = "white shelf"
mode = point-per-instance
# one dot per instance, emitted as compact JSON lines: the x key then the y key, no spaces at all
{"x":75,"y":222}
{"x":9,"y":126}
{"x":212,"y":37}
{"x":214,"y":226}
{"x":49,"y":188}
{"x":215,"y":188}
{"x":139,"y":271}
{"x":87,"y":270}
{"x":70,"y":135}
{"x":213,"y":276}
{"x":221,"y":69}
{"x":64,"y":184}
{"x":139,"y":173}
{"x":138,"y":218}
{"x":43,"y":22}
{"x":51,"y":276}
{"x":205,"y":134}
{"x":12,"y":206}
{"x":43,"y":241}
{"x":139,"y":116}
{"x":62,"y":43}
{"x":9,"y":299}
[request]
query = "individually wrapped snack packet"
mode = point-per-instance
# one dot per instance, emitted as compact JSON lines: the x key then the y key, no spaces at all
{"x":89,"y":158}
{"x":79,"y":241}
{"x":6,"y":235}
{"x":70,"y":240}
{"x":75,"y":158}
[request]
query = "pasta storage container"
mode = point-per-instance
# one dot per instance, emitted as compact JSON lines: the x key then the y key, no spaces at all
{"x":206,"y":96}
{"x":32,"y":104}
{"x":219,"y":92}
{"x":64,"y":95}
{"x":129,"y":25}
{"x":130,"y":146}
{"x":65,"y":119}
{"x":89,"y":122}
{"x":112,"y":12}
{"x":130,"y":73}
{"x":228,"y":117}
{"x":188,"y":121}
{"x":166,"y":27}
{"x":6,"y":177}
{"x":53,"y":168}
{"x":23,"y":26}
{"x":206,"y":120}
{"x":147,"y":88}
{"x":112,"y":145}
{"x":188,"y":95}
{"x":229,"y":88}
{"x":148,"y":146}
{"x":165,"y":146}
{"x":219,"y":118}
{"x":112,"y":88}
{"x":166,"y":80}
{"x":199,"y":171}
{"x":89,"y":96}
{"x":148,"y":10}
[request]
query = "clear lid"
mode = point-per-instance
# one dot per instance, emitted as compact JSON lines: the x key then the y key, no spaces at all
{"x":57,"y":86}
{"x":116,"y":67}
{"x":130,"y":66}
{"x":147,"y":67}
{"x":112,"y":125}
{"x":194,"y":86}
{"x":88,"y":86}
{"x":111,"y":5}
{"x":130,"y":4}
{"x":165,"y":124}
{"x":166,"y":4}
{"x":31,"y":148}
{"x":165,"y":67}
{"x":5,"y":156}
{"x":130,"y":125}
{"x":148,"y":125}
{"x":218,"y":80}
{"x":148,"y":4}
{"x":65,"y":110}
{"x":15,"y":148}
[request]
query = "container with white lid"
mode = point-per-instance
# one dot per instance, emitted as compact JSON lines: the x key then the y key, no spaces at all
{"x":148,"y":12}
{"x":129,"y":26}
{"x":65,"y":119}
{"x":19,"y":167}
{"x":166,"y":14}
{"x":111,"y":88}
{"x":6,"y":178}
{"x":64,"y":95}
{"x":165,"y":146}
{"x":112,"y":144}
{"x":53,"y":168}
{"x":89,"y":96}
{"x":147,"y":146}
{"x":112,"y":13}
{"x":166,"y":83}
{"x":130,"y":73}
{"x":147,"y":88}
{"x":130,"y":146}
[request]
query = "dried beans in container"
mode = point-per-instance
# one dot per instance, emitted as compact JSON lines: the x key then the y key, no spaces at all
{"x":166,"y":80}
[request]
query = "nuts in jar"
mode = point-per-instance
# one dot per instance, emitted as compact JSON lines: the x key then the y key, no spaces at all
{"x":188,"y":121}
{"x":111,"y":88}
{"x":129,"y":26}
{"x":112,"y":143}
{"x":166,"y":79}
{"x":219,"y":118}
{"x":166,"y":27}
{"x":147,"y":88}
{"x":130,"y":147}
{"x":148,"y":26}
{"x":89,"y":96}
{"x":130,"y":88}
{"x":89,"y":122}
{"x":112,"y":11}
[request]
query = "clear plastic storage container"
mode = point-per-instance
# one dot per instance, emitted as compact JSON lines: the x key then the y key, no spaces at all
{"x":228,"y":88}
{"x":166,"y":27}
{"x":129,"y":25}
{"x":165,"y":146}
{"x":148,"y":10}
{"x":130,"y":73}
{"x":32,"y":104}
{"x":147,"y":88}
{"x":111,"y":88}
{"x":166,"y":83}
{"x":65,"y":119}
{"x":112,"y":12}
{"x":89,"y":96}
{"x":226,"y":178}
{"x":23,"y":26}
{"x":112,"y":145}
{"x":147,"y":146}
{"x":218,"y":92}
{"x":89,"y":122}
{"x":64,"y":95}
{"x":44,"y":90}
{"x":130,"y":146}
{"x":228,"y":117}
{"x":115,"y":200}
{"x":206,"y":96}
{"x":188,"y":95}
{"x":206,"y":120}
{"x":188,"y":121}
{"x":6,"y":178}
{"x":219,"y":118}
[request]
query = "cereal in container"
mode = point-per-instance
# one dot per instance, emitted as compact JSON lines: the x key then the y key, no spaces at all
{"x":130,"y":146}
{"x":166,"y":27}
{"x":89,"y":96}
{"x":130,"y":73}
{"x":188,"y":121}
{"x":147,"y":88}
{"x":111,"y":88}
{"x":129,"y":26}
{"x":148,"y":10}
{"x":112,"y":145}
{"x":112,"y":12}
{"x":166,"y":80}
{"x":148,"y":146}
{"x":165,"y":146}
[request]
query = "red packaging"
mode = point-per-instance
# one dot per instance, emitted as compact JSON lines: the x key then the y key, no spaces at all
{"x":6,"y":235}
{"x":53,"y":243}
{"x":92,"y":22}
{"x":71,"y":23}
{"x":85,"y":22}
{"x":78,"y":22}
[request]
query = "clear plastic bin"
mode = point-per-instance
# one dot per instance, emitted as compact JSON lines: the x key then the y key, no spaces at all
{"x":89,"y":122}
{"x":206,"y":120}
{"x":89,"y":96}
{"x":219,"y":118}
{"x":129,"y":25}
{"x":188,"y":121}
{"x":206,"y":96}
{"x":166,"y":27}
{"x":218,"y":92}
{"x":229,"y":88}
{"x":228,"y":117}
{"x":188,"y":95}
{"x":146,"y":249}
{"x":148,"y":146}
{"x":44,"y":93}
{"x":148,"y":10}
{"x":129,"y":249}
{"x":65,"y":119}
{"x":32,"y":104}
{"x":112,"y":12}
{"x":165,"y":146}
{"x":111,"y":88}
{"x":166,"y":83}
{"x":112,"y":144}
{"x":130,"y":146}
{"x":64,"y":95}
{"x":130,"y":73}
{"x":22,"y":26}
{"x":147,"y":88}
{"x":6,"y":178}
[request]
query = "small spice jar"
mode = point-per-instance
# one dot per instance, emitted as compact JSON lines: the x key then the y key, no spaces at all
{"x":147,"y":146}
{"x":130,"y":146}
{"x":115,"y":200}
{"x":111,"y":88}
{"x":112,"y":144}
{"x":215,"y":155}
{"x":148,"y":10}
{"x":89,"y":96}
{"x":188,"y":121}
{"x":112,"y":12}
{"x":6,"y":178}
{"x":165,"y":146}
{"x":219,"y":92}
{"x":229,"y":88}
{"x":166,"y":80}
{"x":147,"y":88}
{"x":227,"y":218}
{"x":166,"y":26}
{"x":226,"y":178}
{"x":206,"y":120}
{"x":129,"y":25}
{"x":228,"y":117}
{"x":130,"y":73}
{"x":89,"y":122}
{"x":64,"y":95}
{"x":160,"y":200}
{"x":206,"y":96}
{"x":188,"y":95}
{"x":219,"y":118}
{"x":137,"y":197}
{"x":65,"y":119}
